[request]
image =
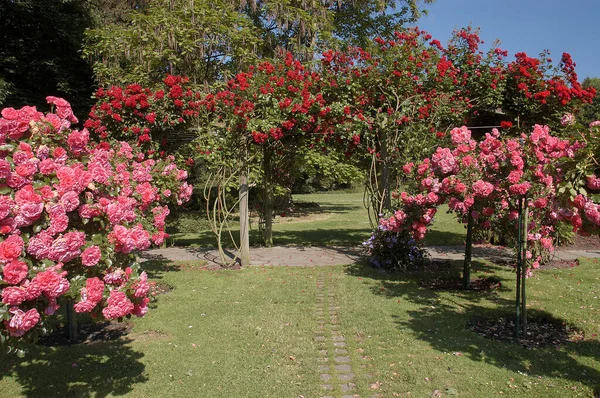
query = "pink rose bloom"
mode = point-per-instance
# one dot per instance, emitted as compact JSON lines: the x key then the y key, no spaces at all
{"x":11,"y":248}
{"x":58,"y":223}
{"x":520,"y":189}
{"x":39,"y":245}
{"x":14,"y":295}
{"x":21,"y":322}
{"x":6,"y":205}
{"x":70,"y":200}
{"x":91,"y":295}
{"x":460,"y":135}
{"x":147,"y":192}
{"x":47,"y":166}
{"x":593,"y":182}
{"x":546,"y":243}
{"x":141,"y":237}
{"x":28,"y":214}
{"x":141,"y":309}
{"x":117,"y":277}
{"x":26,"y":169}
{"x":51,"y":282}
{"x":515,"y":176}
{"x":122,"y":239}
{"x":482,"y":188}
{"x":142,"y":287}
{"x":91,"y":256}
{"x":443,"y":160}
{"x":118,"y":305}
{"x":27,"y":195}
{"x":4,"y":169}
{"x":407,"y":168}
{"x":15,"y":271}
{"x":78,"y":141}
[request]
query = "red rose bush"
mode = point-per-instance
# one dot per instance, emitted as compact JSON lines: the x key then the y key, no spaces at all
{"x":72,"y":215}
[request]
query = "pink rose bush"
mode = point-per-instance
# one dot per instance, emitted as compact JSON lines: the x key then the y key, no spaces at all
{"x":483,"y":180}
{"x":72,"y":215}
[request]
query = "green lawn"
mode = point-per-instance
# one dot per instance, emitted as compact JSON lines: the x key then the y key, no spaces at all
{"x":250,"y":333}
{"x":326,"y":219}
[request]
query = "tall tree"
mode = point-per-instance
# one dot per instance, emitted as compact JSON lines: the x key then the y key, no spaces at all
{"x":40,"y":42}
{"x":198,"y":38}
{"x":211,"y":40}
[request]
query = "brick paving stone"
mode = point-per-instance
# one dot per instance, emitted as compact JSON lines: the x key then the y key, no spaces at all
{"x":327,"y":387}
{"x":339,"y":338}
{"x":340,"y":351}
{"x":323,"y":353}
{"x":323,"y":368}
{"x":341,"y":359}
{"x":346,"y":376}
{"x":345,"y":368}
{"x":325,"y":377}
{"x":347,"y":387}
{"x":322,"y":360}
{"x":339,"y":344}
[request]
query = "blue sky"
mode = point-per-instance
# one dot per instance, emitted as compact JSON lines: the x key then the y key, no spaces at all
{"x":526,"y":26}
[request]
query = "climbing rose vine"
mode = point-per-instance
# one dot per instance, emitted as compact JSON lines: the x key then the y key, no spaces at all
{"x":72,"y":214}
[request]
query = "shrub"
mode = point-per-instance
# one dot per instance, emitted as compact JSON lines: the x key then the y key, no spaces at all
{"x":72,"y":214}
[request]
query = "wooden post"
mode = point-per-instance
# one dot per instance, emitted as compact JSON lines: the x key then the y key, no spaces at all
{"x":244,"y":217}
{"x":268,"y":197}
{"x":468,"y":251}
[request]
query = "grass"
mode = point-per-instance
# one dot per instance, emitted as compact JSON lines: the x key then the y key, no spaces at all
{"x":250,"y":333}
{"x":337,"y":219}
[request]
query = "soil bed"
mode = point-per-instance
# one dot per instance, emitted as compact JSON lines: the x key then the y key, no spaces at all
{"x":479,"y":285}
{"x":89,"y":333}
{"x":540,"y":332}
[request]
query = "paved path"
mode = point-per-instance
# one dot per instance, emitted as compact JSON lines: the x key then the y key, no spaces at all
{"x":312,"y":255}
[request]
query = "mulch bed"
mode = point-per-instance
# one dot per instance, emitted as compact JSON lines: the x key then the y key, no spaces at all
{"x":478,"y":285}
{"x":157,"y":288}
{"x":89,"y":333}
{"x":540,"y":332}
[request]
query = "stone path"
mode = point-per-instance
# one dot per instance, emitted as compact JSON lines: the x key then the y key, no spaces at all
{"x":312,"y":255}
{"x":277,"y":255}
{"x":335,"y":364}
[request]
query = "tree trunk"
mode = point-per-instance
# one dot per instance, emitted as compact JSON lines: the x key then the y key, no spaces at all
{"x":268,"y":197}
{"x":72,"y":331}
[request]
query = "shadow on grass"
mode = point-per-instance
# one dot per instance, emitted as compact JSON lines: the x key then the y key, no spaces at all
{"x":322,"y":237}
{"x":444,"y":238}
{"x":156,"y":265}
{"x":310,"y":237}
{"x":98,"y":370}
{"x":442,"y":322}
